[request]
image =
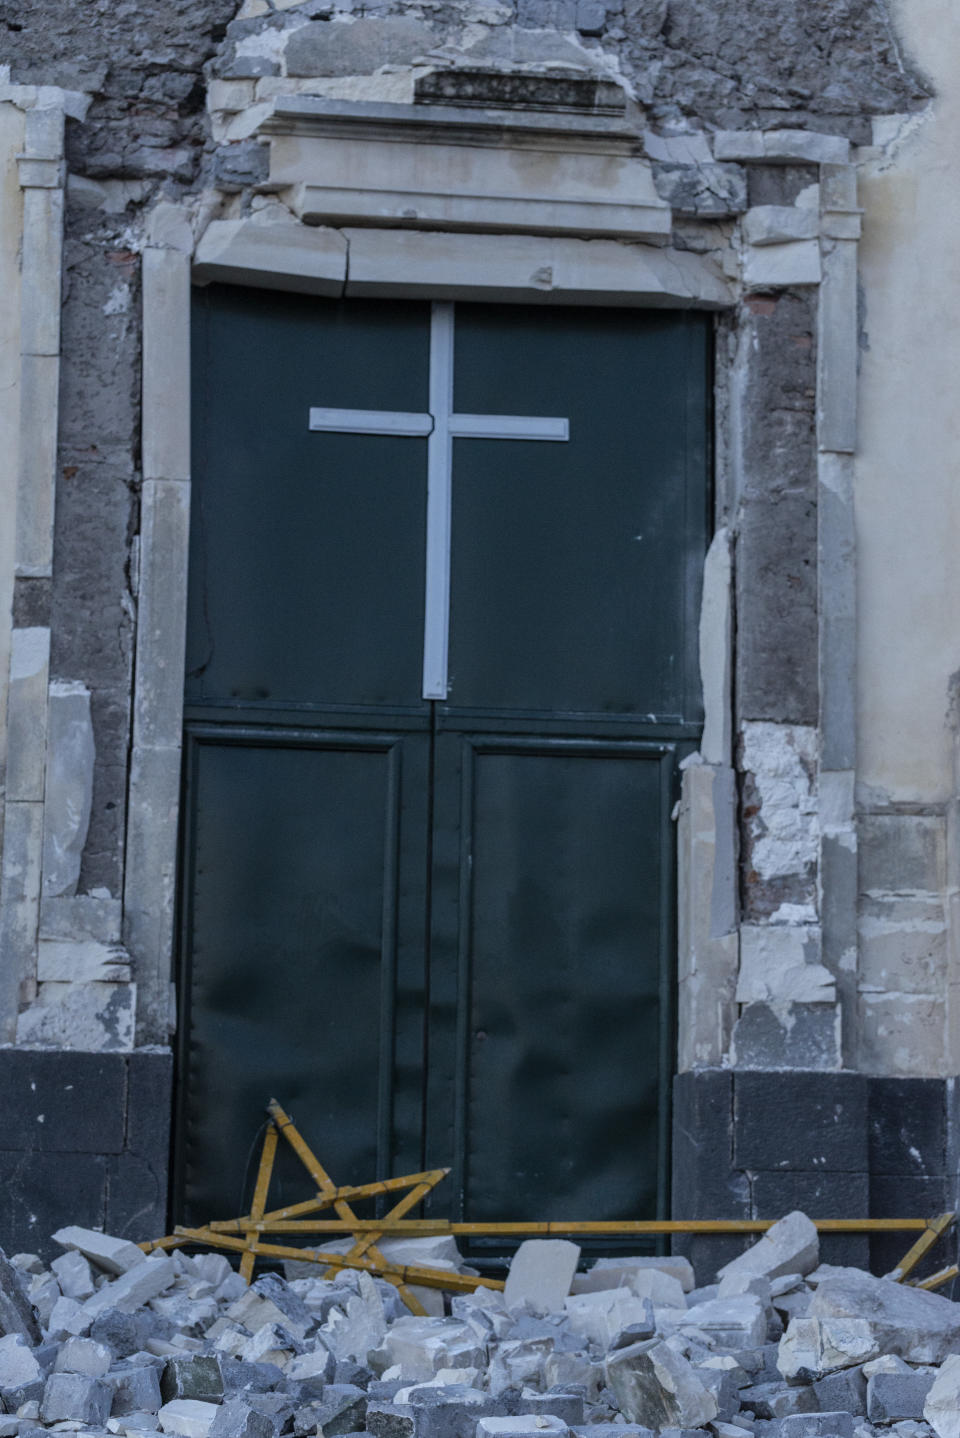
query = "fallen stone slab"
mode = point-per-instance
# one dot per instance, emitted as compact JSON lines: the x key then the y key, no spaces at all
{"x":111,"y":1255}
{"x":846,"y":1390}
{"x":817,"y":1425}
{"x":777,"y":1400}
{"x":658,"y":1388}
{"x":83,"y":1355}
{"x":813,"y":1347}
{"x":135,"y":1390}
{"x":235,"y":1419}
{"x":892,"y":1397}
{"x":75,"y":1396}
{"x":18,"y":1362}
{"x":540,"y":1275}
{"x":598,"y":1317}
{"x":16,"y":1313}
{"x":909,"y":1322}
{"x":791,"y":1245}
{"x":74,"y":1275}
{"x":193,"y":1376}
{"x":134,"y":1288}
{"x":942,"y":1407}
{"x":739,"y":1322}
{"x":187,"y":1418}
{"x":522,"y":1426}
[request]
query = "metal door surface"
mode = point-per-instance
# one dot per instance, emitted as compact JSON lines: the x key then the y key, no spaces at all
{"x":441,"y":672}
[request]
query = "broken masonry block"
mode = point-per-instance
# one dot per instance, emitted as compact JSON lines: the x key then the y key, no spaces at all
{"x":74,"y":1396}
{"x":135,"y":1390}
{"x":540,"y":1275}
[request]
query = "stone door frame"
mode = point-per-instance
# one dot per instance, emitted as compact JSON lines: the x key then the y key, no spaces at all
{"x":273,"y":248}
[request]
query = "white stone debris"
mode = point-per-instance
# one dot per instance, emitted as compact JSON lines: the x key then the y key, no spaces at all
{"x":112,"y":1255}
{"x":790,"y":1246}
{"x":180,"y":1345}
{"x":541,"y":1273}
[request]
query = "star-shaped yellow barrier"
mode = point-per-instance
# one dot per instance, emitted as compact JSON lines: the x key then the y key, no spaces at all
{"x":244,"y":1234}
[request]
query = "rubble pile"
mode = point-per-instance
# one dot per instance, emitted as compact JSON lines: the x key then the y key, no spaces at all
{"x":109,"y":1341}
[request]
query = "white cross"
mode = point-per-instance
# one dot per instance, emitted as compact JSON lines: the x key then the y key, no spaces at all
{"x":441,"y":426}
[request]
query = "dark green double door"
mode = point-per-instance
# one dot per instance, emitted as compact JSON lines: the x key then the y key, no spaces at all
{"x":437,"y":929}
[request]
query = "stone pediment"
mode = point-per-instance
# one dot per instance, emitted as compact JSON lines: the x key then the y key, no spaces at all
{"x":575,"y":171}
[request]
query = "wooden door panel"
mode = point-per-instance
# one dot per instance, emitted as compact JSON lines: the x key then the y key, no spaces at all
{"x":304,"y":952}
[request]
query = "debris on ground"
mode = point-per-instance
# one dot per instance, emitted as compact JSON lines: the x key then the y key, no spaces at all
{"x":108,"y":1341}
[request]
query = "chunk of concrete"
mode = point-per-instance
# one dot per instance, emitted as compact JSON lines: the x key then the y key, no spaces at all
{"x":541,"y":1272}
{"x":75,"y":1396}
{"x":942,"y":1407}
{"x":817,"y":1425}
{"x":789,"y":1246}
{"x":18,"y":1365}
{"x":598,"y":1317}
{"x":68,"y":794}
{"x":893,"y":1397}
{"x":196,"y":1375}
{"x":736,"y":1322}
{"x":812,"y":1347}
{"x":73,"y":1274}
{"x":656,"y":1386}
{"x":16,"y":1312}
{"x":83,"y":1355}
{"x":778,"y":224}
{"x":187,"y":1418}
{"x":420,"y":1347}
{"x":522,"y":1426}
{"x":912,"y":1323}
{"x":617,"y":1273}
{"x":134,"y":1288}
{"x":135,"y":1390}
{"x":236,"y":1419}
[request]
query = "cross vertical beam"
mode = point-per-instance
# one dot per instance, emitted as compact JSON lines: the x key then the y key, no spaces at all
{"x":436,"y":630}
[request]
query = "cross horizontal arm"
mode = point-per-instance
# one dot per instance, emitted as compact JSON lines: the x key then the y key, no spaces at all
{"x":371,"y":421}
{"x":508,"y":426}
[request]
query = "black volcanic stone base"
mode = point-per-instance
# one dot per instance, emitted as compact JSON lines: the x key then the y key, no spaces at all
{"x":84,"y":1139}
{"x":836,"y":1145}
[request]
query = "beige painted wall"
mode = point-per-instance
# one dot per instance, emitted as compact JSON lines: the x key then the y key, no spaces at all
{"x":908,"y":468}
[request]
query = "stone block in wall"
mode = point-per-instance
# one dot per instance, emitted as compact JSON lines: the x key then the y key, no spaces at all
{"x":781,"y":266}
{"x":806,"y":1122}
{"x":787,"y":1036}
{"x":68,"y":798}
{"x":908,"y":1127}
{"x":707,"y":937}
{"x":900,"y":1033}
{"x":818,"y":1195}
{"x":41,"y":1192}
{"x":709,"y":190}
{"x":705,"y":1183}
{"x":910,"y":1196}
{"x":902,"y":853}
{"x":86,"y":1141}
{"x":26,"y":714}
{"x":82,"y":1097}
{"x":780,"y":963}
{"x":81,"y":916}
{"x":777,"y":604}
{"x":359,"y":47}
{"x":902,"y":944}
{"x":97,"y":1016}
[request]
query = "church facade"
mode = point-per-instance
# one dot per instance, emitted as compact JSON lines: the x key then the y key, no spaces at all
{"x":477,"y":588}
